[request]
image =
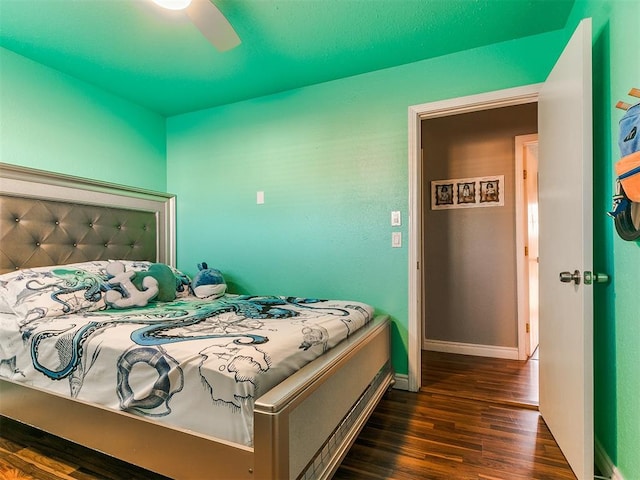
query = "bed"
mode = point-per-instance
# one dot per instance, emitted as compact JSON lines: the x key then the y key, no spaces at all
{"x":298,"y":414}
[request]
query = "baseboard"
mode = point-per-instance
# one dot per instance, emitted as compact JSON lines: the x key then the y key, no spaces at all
{"x":402,"y":381}
{"x":510,"y":353}
{"x":604,"y":463}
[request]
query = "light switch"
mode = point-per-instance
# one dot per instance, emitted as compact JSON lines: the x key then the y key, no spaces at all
{"x":396,"y":219}
{"x":260,"y":198}
{"x":396,"y":239}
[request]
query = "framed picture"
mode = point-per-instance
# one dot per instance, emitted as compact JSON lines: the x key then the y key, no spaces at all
{"x":444,"y":194}
{"x":467,"y":192}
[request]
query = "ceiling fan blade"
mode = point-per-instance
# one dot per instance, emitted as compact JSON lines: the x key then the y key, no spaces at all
{"x":213,"y":25}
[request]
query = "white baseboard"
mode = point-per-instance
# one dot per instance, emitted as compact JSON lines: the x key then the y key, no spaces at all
{"x":510,"y":353}
{"x":604,"y":463}
{"x":402,"y":381}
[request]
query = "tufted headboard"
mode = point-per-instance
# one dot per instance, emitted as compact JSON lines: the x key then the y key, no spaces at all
{"x":52,"y":219}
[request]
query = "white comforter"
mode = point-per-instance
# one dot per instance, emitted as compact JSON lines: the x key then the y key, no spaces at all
{"x":194,"y":364}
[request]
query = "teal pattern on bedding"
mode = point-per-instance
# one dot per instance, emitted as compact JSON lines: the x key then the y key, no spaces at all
{"x":168,"y":360}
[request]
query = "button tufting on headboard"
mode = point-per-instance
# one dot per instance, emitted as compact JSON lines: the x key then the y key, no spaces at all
{"x":36,"y":232}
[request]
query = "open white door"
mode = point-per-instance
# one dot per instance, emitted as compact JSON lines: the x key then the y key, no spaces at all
{"x":566,"y":245}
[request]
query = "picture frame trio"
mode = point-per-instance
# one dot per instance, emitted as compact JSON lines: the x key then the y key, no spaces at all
{"x":467,"y":192}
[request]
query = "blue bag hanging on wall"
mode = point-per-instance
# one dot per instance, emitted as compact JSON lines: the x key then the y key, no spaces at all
{"x":628,"y":168}
{"x":626,"y":201}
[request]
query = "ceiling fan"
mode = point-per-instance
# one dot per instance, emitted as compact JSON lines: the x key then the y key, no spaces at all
{"x":208,"y":19}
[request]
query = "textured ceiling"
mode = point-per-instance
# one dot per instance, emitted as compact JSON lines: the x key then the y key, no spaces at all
{"x":157,"y":58}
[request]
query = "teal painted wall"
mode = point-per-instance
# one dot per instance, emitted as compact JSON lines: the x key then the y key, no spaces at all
{"x":332,"y":161}
{"x":54,"y":122}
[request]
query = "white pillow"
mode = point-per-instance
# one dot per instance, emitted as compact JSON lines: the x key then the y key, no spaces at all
{"x":54,"y":290}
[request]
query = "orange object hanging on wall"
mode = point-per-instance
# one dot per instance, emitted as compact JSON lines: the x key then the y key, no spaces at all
{"x":628,"y":171}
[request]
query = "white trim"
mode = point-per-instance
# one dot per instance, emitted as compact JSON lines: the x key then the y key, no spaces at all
{"x":402,"y":381}
{"x":494,"y":351}
{"x":522,"y":279}
{"x":415,"y":253}
{"x":604,"y":463}
{"x":484,"y":101}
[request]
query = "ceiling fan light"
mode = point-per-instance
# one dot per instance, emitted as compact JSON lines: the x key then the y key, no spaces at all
{"x":173,"y":4}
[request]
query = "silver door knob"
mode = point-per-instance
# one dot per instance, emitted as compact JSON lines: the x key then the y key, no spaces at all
{"x":592,"y":277}
{"x":589,"y":277}
{"x":568,"y":277}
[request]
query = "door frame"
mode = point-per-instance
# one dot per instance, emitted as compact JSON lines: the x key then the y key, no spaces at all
{"x":417,"y":113}
{"x":522,"y":239}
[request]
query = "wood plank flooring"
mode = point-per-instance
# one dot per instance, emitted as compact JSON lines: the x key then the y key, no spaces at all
{"x":464,"y":424}
{"x":474,"y":419}
{"x":481,"y":378}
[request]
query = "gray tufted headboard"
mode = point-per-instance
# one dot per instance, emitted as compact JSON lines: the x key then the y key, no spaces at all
{"x":52,"y":219}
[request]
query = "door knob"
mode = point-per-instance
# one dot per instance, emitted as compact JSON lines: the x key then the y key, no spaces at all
{"x":589,"y":277}
{"x":568,"y":277}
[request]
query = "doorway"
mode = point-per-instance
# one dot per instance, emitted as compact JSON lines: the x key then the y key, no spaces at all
{"x":473,"y":253}
{"x":418,"y":113}
{"x":470,"y":254}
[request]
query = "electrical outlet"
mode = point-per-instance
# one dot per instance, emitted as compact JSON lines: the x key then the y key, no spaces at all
{"x":396,"y":239}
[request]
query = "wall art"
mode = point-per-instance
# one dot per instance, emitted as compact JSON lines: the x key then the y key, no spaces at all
{"x":467,"y":192}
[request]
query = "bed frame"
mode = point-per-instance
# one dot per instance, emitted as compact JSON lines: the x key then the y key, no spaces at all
{"x":303,"y":427}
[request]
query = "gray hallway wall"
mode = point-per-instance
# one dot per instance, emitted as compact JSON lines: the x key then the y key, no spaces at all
{"x":470,"y":293}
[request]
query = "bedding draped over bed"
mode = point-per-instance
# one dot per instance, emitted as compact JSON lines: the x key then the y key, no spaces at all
{"x":167,"y":361}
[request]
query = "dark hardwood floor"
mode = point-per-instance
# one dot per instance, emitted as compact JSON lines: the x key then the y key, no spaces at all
{"x":493,"y":380}
{"x":473,"y":419}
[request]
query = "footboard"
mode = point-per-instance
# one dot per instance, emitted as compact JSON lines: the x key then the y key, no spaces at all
{"x":305,"y":425}
{"x":173,"y":452}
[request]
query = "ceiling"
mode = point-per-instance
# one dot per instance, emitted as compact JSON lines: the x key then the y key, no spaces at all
{"x":157,"y":58}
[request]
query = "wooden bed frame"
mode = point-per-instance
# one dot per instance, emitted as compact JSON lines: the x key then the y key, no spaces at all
{"x":303,"y":427}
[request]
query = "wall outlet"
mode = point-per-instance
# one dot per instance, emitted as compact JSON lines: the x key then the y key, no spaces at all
{"x":396,"y":239}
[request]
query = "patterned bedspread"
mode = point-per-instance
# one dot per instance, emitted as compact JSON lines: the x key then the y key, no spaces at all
{"x":193,"y":364}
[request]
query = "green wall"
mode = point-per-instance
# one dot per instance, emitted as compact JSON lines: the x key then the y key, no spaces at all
{"x":54,"y":122}
{"x":332,"y":161}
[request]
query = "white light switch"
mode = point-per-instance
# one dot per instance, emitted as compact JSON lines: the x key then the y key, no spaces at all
{"x":396,"y":219}
{"x":396,"y":239}
{"x":260,"y":198}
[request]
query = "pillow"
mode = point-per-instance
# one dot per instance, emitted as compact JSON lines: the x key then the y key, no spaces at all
{"x":64,"y":289}
{"x":54,"y":290}
{"x":182,"y":279}
{"x":128,"y":294}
